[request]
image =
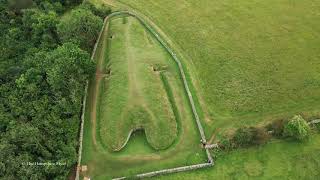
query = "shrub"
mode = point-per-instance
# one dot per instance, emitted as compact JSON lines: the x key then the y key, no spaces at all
{"x":244,"y":137}
{"x":225,"y":144}
{"x":317,"y":126}
{"x":297,"y":128}
{"x":250,"y":136}
{"x":260,"y":136}
{"x":277,"y":127}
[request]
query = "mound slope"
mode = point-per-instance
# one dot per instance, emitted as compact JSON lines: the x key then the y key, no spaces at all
{"x":134,"y":96}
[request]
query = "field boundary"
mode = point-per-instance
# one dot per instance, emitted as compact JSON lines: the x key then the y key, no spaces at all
{"x":84,"y":103}
{"x":81,"y":130}
{"x":203,"y":140}
{"x":168,"y":171}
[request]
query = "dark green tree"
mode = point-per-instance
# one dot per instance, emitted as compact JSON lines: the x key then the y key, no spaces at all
{"x":41,"y":86}
{"x":81,"y":27}
{"x":18,"y":5}
{"x":41,"y":27}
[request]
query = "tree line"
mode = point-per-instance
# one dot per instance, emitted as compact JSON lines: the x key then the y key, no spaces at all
{"x":295,"y":128}
{"x":44,"y":65}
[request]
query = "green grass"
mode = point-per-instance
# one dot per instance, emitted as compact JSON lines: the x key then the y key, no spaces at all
{"x":276,"y":160}
{"x":163,"y":96}
{"x":250,"y":61}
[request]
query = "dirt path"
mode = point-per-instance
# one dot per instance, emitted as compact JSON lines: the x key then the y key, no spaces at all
{"x":95,"y":93}
{"x":93,"y":113}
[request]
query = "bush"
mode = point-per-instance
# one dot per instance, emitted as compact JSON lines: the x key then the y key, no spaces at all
{"x":260,"y":136}
{"x":225,"y":144}
{"x":243,"y":137}
{"x":317,"y":126}
{"x":277,"y":127}
{"x":297,"y":128}
{"x":247,"y":136}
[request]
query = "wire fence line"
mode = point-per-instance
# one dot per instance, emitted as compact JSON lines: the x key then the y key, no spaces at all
{"x":186,"y":87}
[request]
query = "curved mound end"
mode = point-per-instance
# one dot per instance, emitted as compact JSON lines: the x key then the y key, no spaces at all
{"x":134,"y":97}
{"x":159,"y":134}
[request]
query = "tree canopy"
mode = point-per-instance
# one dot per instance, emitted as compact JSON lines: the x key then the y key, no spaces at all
{"x":42,"y":80}
{"x":81,"y":27}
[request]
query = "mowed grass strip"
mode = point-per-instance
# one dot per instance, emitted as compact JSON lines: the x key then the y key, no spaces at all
{"x":249,"y":60}
{"x":134,"y":96}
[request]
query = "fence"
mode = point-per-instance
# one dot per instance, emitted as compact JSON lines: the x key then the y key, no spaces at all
{"x":81,"y":131}
{"x":186,"y":87}
{"x":84,"y":104}
{"x":168,"y":171}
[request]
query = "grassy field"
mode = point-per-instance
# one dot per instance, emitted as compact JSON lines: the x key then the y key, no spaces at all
{"x":250,"y":61}
{"x":137,"y":86}
{"x":277,"y":160}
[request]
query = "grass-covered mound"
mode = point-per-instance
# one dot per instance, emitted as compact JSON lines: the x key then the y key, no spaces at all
{"x":134,"y":96}
{"x":157,"y":69}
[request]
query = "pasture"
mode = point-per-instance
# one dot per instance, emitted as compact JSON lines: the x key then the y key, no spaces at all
{"x":248,"y":62}
{"x":275,"y":160}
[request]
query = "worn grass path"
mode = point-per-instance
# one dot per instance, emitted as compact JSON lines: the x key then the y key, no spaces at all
{"x":99,"y":75}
